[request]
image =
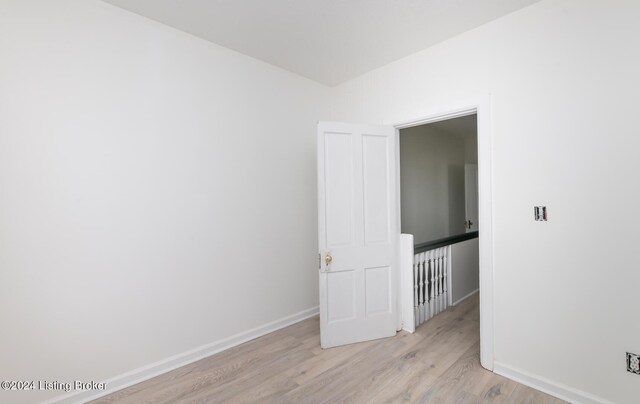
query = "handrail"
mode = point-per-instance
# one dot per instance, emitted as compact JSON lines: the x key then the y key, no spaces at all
{"x":441,"y":242}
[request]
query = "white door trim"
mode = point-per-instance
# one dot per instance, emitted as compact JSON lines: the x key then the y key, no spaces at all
{"x":482,"y":107}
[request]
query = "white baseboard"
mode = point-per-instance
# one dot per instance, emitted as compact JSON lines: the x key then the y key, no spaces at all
{"x":550,"y":387}
{"x":467,"y":296}
{"x":166,"y":365}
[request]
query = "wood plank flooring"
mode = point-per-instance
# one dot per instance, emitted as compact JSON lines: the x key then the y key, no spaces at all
{"x":439,"y":363}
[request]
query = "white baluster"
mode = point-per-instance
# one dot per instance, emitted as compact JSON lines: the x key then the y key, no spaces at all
{"x":427,"y":286}
{"x":438,"y":290}
{"x":432,"y":269}
{"x":427,"y":300}
{"x":442,"y":279}
{"x":433,"y":283}
{"x":434,"y":289}
{"x":416,"y":281}
{"x":440,"y":302}
{"x":445,"y":294}
{"x":420,"y":291}
{"x":425,"y":269}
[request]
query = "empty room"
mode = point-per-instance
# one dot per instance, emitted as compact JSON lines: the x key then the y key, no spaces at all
{"x":319,"y":201}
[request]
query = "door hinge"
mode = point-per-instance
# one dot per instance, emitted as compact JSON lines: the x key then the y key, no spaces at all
{"x":319,"y":261}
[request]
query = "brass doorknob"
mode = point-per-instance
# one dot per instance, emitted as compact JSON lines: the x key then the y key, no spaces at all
{"x":327,"y":259}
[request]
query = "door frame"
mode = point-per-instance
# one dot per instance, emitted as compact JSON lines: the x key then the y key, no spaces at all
{"x":480,"y":106}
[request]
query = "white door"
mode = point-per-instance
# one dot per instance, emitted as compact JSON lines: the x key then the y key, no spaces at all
{"x":358,"y":233}
{"x":471,"y":197}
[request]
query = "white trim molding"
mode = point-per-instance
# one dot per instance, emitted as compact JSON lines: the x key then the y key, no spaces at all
{"x":550,"y":387}
{"x":166,"y":365}
{"x":465,"y":297}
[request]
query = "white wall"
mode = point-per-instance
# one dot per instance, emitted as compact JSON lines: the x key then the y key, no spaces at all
{"x":564,"y":83}
{"x":464,"y":269}
{"x":157,"y":192}
{"x":432,"y":183}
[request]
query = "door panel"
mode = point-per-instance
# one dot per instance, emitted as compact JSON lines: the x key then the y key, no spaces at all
{"x":378,"y":290}
{"x":375,"y":160}
{"x":341,"y":295}
{"x":339,"y":185}
{"x":471,"y":197}
{"x":358,"y":231}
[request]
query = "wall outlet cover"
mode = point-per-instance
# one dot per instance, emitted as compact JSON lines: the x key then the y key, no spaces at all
{"x":633,"y":363}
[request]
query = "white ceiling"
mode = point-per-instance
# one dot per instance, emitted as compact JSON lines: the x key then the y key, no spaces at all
{"x":329,"y":41}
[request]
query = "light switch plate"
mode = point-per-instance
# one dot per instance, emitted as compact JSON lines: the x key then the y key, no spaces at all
{"x":540,"y":213}
{"x":633,"y":363}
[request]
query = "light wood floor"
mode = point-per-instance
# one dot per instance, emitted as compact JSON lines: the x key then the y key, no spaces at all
{"x":437,"y":364}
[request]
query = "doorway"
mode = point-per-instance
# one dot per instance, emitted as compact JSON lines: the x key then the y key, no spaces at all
{"x":481,"y":108}
{"x":439,"y":214}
